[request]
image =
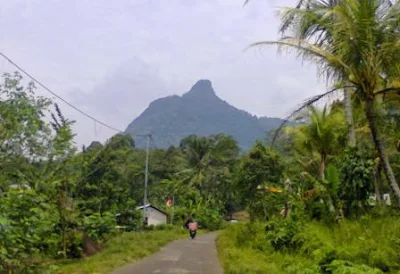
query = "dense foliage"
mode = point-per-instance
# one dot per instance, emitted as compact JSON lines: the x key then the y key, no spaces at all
{"x":57,"y":202}
{"x":365,"y":246}
{"x":322,"y":196}
{"x":342,"y":161}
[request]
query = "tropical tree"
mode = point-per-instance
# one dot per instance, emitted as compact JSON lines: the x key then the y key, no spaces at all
{"x":357,"y":170}
{"x":347,"y":92}
{"x":109,"y":174}
{"x":353,"y":41}
{"x":322,"y":135}
{"x":206,"y":164}
{"x":259,"y":171}
{"x":23,"y":133}
{"x":36,"y":209}
{"x":351,"y":130}
{"x":197,"y":160}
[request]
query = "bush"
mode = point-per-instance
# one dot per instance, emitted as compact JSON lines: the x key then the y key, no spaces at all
{"x":75,"y":244}
{"x":346,"y":267}
{"x":284,"y":234}
{"x":357,"y":170}
{"x":363,"y":246}
{"x":98,"y":226}
{"x":210,"y":219}
{"x":124,"y":248}
{"x":27,"y":230}
{"x":206,"y":217}
{"x":165,"y":227}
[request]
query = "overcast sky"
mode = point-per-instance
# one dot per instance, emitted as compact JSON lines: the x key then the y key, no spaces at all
{"x":112,"y":58}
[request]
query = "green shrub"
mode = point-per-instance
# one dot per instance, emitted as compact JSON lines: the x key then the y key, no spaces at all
{"x":75,"y":244}
{"x":367,"y":245}
{"x":357,"y":169}
{"x":346,"y":267}
{"x":165,"y":227}
{"x":210,"y":218}
{"x":284,"y":234}
{"x":27,"y":230}
{"x":124,"y":248}
{"x":98,"y":226}
{"x":161,"y":227}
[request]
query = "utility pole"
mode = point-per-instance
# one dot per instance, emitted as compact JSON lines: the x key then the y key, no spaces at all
{"x":146,"y":177}
{"x":173,"y":205}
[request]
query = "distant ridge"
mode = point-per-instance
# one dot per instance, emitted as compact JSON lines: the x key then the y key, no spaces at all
{"x":199,"y":111}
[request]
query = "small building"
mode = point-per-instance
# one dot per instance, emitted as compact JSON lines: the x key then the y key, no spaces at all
{"x":385,"y":198}
{"x":154,"y":215}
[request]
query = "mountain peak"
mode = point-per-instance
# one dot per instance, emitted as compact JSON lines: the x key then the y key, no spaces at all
{"x":202,"y":87}
{"x":201,"y":112}
{"x":203,"y":83}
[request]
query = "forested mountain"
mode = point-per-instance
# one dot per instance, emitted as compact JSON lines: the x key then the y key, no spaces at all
{"x":201,"y":112}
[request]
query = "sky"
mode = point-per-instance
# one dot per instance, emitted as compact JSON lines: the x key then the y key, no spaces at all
{"x":112,"y":58}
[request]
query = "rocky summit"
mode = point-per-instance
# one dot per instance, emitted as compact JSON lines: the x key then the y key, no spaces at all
{"x":201,"y":112}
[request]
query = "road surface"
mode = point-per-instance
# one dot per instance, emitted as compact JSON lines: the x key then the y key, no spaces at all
{"x":198,"y":256}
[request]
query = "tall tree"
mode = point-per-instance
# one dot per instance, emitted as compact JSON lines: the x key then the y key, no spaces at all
{"x":362,"y":48}
{"x":351,"y":130}
{"x":325,"y":34}
{"x":23,"y":133}
{"x":321,"y":135}
{"x":260,"y":169}
{"x":207,"y":163}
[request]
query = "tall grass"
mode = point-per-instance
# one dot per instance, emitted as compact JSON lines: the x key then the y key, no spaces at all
{"x":123,"y":249}
{"x":363,"y":246}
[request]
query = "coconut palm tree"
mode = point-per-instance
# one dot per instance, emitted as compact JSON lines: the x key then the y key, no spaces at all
{"x":207,"y":163}
{"x":196,"y":161}
{"x":355,"y":42}
{"x":321,"y":135}
{"x":324,"y":33}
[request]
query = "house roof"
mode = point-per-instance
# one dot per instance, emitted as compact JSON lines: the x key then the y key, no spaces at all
{"x":149,"y":205}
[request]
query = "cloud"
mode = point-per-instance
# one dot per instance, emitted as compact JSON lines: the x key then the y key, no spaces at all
{"x":125,"y":92}
{"x":112,"y":57}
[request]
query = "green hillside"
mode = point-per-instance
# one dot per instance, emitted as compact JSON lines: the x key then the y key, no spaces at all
{"x":201,"y":112}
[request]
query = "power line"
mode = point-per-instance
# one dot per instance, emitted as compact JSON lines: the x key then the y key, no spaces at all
{"x":149,"y":136}
{"x":72,"y":106}
{"x":59,"y":97}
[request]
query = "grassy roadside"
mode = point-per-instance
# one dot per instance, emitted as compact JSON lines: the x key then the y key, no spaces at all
{"x":123,"y":249}
{"x":235,"y":259}
{"x":354,"y":247}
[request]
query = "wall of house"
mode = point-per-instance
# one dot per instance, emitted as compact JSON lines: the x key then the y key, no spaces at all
{"x":156,"y":217}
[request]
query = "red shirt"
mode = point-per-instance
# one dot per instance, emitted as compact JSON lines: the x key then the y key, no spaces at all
{"x":193,"y":226}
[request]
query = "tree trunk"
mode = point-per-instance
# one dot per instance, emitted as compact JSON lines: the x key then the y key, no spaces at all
{"x":378,"y":183}
{"x":63,"y":220}
{"x":370,"y":114}
{"x":322,"y":166}
{"x":331,"y":205}
{"x":348,"y":109}
{"x":288,"y":204}
{"x":61,"y":214}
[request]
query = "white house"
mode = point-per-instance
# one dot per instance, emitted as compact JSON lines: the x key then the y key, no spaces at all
{"x":385,"y":198}
{"x":154,"y":215}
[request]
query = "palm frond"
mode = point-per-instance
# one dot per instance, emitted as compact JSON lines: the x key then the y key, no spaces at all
{"x":306,"y":104}
{"x":330,"y":65}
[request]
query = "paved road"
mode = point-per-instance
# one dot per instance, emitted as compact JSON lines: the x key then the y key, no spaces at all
{"x":198,"y":256}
